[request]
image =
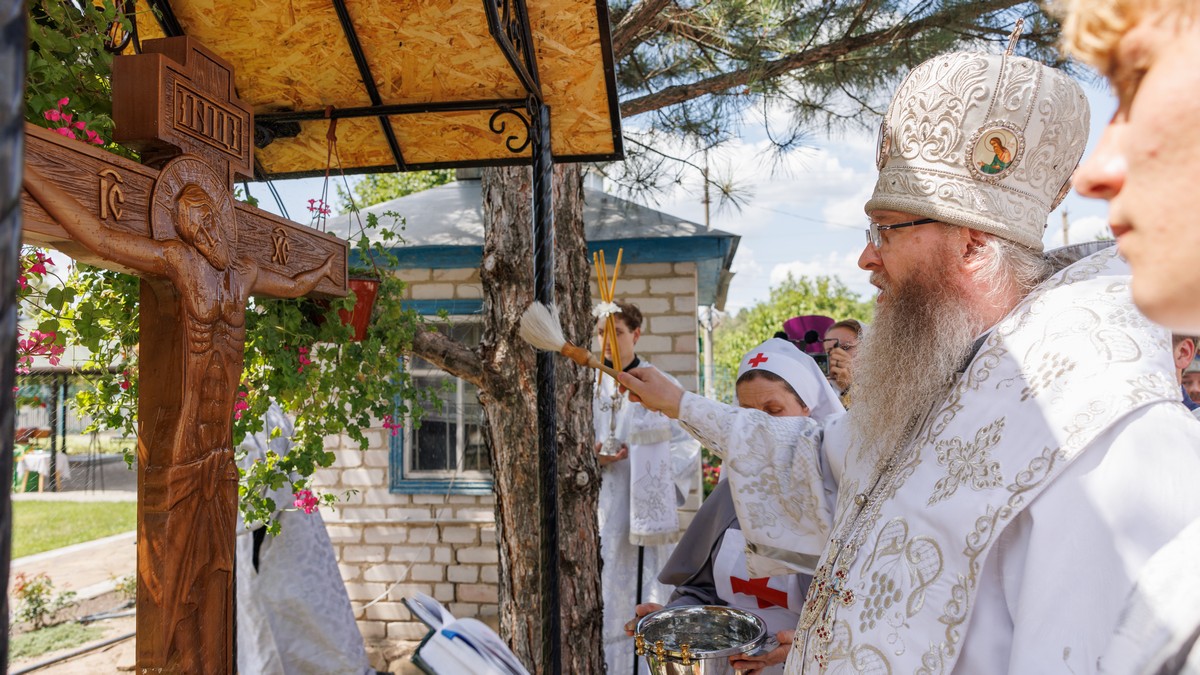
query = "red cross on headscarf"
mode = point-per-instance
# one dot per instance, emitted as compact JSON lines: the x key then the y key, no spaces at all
{"x":767,"y":596}
{"x":757,"y":360}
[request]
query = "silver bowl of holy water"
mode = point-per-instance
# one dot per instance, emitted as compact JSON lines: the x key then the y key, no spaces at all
{"x":699,"y":639}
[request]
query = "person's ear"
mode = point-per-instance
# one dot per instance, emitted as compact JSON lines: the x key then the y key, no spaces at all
{"x":1184,"y":353}
{"x":636,"y":334}
{"x":972,"y":241}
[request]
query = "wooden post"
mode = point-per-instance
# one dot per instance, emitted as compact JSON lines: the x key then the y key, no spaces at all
{"x":201,"y":256}
{"x":12,"y":75}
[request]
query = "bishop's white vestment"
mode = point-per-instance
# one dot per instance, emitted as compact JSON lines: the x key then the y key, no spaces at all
{"x":1005,"y":535}
{"x":638,"y":495}
{"x":293,"y":613}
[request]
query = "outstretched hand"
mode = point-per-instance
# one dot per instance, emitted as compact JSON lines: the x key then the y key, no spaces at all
{"x":753,"y":665}
{"x":640,"y":611}
{"x":653,"y":390}
{"x":605,"y":460}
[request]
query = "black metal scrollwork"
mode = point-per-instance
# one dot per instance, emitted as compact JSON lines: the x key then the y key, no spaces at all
{"x":508,"y":22}
{"x":116,"y":37}
{"x":499,"y":126}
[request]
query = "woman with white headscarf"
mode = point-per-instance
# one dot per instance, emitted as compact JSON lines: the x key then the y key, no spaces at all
{"x":709,"y":566}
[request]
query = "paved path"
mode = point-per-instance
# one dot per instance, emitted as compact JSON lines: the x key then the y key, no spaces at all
{"x":90,"y":569}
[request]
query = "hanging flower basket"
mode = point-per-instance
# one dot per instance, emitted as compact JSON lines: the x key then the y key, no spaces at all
{"x":365,"y":290}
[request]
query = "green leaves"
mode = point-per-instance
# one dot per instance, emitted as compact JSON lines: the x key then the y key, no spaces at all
{"x":381,"y":187}
{"x":298,"y":352}
{"x":794,"y":297}
{"x":67,"y":59}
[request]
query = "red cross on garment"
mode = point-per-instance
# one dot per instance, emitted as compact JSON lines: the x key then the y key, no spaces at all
{"x":767,"y":596}
{"x":758,"y":360}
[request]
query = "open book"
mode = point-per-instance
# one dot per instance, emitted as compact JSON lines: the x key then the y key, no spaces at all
{"x":459,"y":646}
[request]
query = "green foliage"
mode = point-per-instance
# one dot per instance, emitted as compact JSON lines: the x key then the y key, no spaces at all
{"x":44,"y":526}
{"x":794,"y":297}
{"x":67,"y":58}
{"x":710,"y":471}
{"x":243,"y":195}
{"x":699,"y":65}
{"x":126,"y":587}
{"x":99,"y":313}
{"x":298,"y":353}
{"x":37,"y":603}
{"x":380,"y":187}
{"x":699,"y":71}
{"x":52,"y":639}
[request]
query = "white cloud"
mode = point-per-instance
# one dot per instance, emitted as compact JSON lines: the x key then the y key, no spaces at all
{"x":843,"y":265}
{"x":1087,"y":228}
{"x":744,"y":263}
{"x":848,"y":211}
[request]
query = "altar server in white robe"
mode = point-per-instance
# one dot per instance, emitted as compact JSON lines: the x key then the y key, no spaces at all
{"x":652,"y":467}
{"x":1143,"y":167}
{"x":293,"y":613}
{"x":1016,"y":450}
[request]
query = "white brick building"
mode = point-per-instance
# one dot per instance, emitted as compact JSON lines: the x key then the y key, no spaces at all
{"x":422,"y":518}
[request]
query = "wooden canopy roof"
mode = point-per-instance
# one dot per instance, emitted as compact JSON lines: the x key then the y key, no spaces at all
{"x":414,"y":84}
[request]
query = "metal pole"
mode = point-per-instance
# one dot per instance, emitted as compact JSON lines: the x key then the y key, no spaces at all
{"x":710,"y":386}
{"x":12,"y":150}
{"x":638,"y":596}
{"x":543,"y":282}
{"x":55,"y":418}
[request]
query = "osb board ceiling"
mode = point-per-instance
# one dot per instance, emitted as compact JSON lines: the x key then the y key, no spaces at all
{"x":295,"y":56}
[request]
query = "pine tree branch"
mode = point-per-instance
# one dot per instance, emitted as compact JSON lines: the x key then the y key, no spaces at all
{"x":638,"y":23}
{"x":451,"y":356}
{"x":812,"y":56}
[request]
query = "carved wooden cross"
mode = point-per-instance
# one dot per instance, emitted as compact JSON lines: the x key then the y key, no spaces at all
{"x":201,"y":255}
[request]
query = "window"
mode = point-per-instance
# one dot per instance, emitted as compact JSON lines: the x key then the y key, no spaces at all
{"x":447,"y":453}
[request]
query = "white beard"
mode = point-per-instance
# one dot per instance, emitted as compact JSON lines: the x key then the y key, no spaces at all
{"x":907,"y":360}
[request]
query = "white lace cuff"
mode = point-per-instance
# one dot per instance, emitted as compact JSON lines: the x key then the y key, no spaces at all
{"x":708,"y":421}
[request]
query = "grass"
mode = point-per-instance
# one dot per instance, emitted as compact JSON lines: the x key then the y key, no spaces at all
{"x":52,"y":639}
{"x":108,"y":443}
{"x":44,"y":526}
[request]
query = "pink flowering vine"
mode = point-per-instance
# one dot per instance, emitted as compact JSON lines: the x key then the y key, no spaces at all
{"x":35,"y":266}
{"x":306,"y":501}
{"x":392,"y":425}
{"x":38,"y":344}
{"x":70,"y":127}
{"x":319,"y":211}
{"x":302,"y":353}
{"x":240,"y":405}
{"x":318,"y":207}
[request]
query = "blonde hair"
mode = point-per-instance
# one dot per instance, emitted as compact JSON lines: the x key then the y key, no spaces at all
{"x":1092,"y":28}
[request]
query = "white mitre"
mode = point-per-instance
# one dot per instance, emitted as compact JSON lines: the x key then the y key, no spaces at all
{"x":985,"y":141}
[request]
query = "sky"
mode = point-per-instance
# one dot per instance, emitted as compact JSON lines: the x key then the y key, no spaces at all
{"x":803,"y":215}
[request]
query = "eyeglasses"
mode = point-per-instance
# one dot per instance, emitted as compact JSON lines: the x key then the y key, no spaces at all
{"x":875,"y":228}
{"x":831,"y":344}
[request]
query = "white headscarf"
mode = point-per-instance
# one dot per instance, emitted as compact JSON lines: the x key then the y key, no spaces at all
{"x":800,"y":371}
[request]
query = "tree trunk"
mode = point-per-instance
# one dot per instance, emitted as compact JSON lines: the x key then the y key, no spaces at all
{"x":509,"y":403}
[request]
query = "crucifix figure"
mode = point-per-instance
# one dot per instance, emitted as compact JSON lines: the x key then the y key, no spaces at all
{"x":201,"y":258}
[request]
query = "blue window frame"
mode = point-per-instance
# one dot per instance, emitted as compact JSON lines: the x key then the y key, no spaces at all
{"x":447,"y":454}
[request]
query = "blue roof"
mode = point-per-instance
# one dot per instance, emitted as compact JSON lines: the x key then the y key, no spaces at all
{"x":444,"y":229}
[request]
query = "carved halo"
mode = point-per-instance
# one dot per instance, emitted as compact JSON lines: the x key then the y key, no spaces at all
{"x":984,"y":159}
{"x":883,"y":145}
{"x":175,"y":176}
